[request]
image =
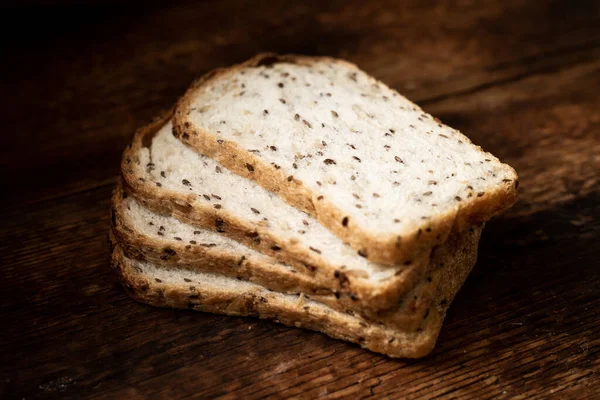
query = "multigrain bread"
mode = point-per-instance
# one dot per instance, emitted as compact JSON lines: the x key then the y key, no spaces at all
{"x":189,"y":289}
{"x":371,"y":166}
{"x":172,"y":179}
{"x":164,"y":240}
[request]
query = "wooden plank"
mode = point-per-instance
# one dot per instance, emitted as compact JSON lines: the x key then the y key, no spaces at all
{"x":95,"y":83}
{"x":519,"y":78}
{"x":525,"y":320}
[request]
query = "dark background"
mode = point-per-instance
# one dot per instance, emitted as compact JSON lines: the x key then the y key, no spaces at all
{"x":521,"y":78}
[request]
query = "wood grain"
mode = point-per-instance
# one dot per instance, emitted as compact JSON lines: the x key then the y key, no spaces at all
{"x":519,"y":77}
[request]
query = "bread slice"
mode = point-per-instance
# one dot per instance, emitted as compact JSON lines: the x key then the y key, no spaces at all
{"x":164,"y":240}
{"x":172,"y":179}
{"x":371,"y":166}
{"x":185,"y":288}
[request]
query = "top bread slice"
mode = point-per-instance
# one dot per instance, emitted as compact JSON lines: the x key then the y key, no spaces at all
{"x":371,"y":166}
{"x":170,"y":178}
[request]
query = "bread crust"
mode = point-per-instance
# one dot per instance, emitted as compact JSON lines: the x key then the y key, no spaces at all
{"x":388,"y":249}
{"x":264,"y":304}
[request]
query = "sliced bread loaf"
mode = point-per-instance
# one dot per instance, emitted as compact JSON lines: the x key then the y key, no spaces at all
{"x":191,"y":289}
{"x":164,"y":240}
{"x":170,"y":178}
{"x":329,"y":139}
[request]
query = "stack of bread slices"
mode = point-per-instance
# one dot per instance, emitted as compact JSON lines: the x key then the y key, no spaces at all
{"x":302,"y":190}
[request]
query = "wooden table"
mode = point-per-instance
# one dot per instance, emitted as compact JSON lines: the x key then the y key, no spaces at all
{"x":521,"y":78}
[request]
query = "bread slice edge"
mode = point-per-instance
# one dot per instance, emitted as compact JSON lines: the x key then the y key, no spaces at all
{"x":254,"y":300}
